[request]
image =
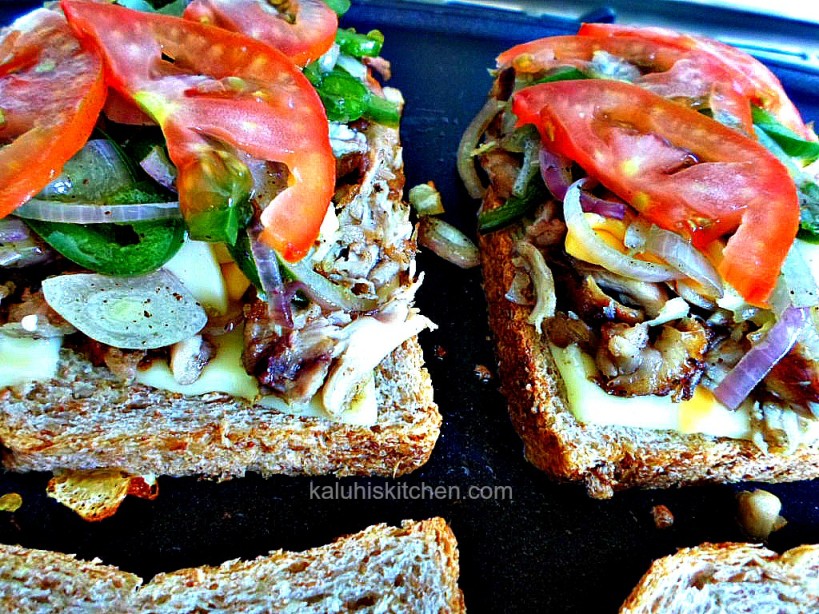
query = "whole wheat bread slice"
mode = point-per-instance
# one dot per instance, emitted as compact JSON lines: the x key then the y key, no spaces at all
{"x":411,"y":568}
{"x":604,"y":458}
{"x":729,"y":577}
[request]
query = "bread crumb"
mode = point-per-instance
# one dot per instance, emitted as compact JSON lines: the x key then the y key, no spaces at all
{"x":483,"y":373}
{"x":663,"y":518}
{"x":10,"y":502}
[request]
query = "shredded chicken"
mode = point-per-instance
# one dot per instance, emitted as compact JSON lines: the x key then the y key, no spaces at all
{"x":795,"y":378}
{"x":594,"y":305}
{"x":673,"y":364}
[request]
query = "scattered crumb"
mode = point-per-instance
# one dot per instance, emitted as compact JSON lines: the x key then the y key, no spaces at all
{"x":439,"y":351}
{"x":10,"y":502}
{"x":663,"y":518}
{"x":483,"y":373}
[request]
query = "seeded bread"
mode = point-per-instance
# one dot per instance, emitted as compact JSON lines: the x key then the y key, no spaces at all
{"x":411,"y":568}
{"x":729,"y":577}
{"x":604,"y":458}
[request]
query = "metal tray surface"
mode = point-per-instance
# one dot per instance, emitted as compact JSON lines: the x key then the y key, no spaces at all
{"x":526,"y":543}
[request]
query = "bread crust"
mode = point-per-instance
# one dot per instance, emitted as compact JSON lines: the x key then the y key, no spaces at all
{"x":411,"y":568}
{"x":604,"y":458}
{"x":681,"y":582}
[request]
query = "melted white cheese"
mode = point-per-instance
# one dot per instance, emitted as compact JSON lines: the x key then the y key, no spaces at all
{"x":591,"y":404}
{"x":225,"y":373}
{"x":24,"y":360}
{"x":196,"y":264}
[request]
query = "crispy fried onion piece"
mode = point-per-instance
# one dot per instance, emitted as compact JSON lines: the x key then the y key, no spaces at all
{"x":632,"y":366}
{"x":96,"y":494}
{"x":534,"y":263}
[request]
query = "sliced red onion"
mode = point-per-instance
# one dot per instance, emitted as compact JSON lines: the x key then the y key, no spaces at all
{"x":18,"y":248}
{"x":270,"y":276}
{"x":448,"y":242}
{"x":607,"y":208}
{"x":758,"y":362}
{"x":681,"y":255}
{"x":469,"y":141}
{"x":605,"y":255}
{"x":89,"y":213}
{"x":556,"y":172}
{"x":159,"y":168}
{"x":13,"y":230}
{"x":97,"y":170}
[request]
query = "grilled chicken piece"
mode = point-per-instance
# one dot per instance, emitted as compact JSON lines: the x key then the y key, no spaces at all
{"x":503,"y":168}
{"x":564,"y":331}
{"x":594,"y":305}
{"x":795,"y":378}
{"x":672,"y":365}
{"x":547,"y":230}
{"x":622,"y":348}
{"x":122,"y":363}
{"x":293,"y":363}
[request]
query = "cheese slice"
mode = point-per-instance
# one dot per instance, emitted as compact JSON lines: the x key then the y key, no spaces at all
{"x":225,"y":373}
{"x":24,"y":360}
{"x":591,"y":404}
{"x":196,"y":264}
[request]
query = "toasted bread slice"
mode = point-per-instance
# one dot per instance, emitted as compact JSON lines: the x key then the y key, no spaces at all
{"x":729,"y":577}
{"x":411,"y":568}
{"x":604,"y":458}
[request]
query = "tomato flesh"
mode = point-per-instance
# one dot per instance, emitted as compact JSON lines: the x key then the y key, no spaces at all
{"x":51,"y":93}
{"x":684,"y":171}
{"x":212,"y":92}
{"x":748,"y":76}
{"x":310,"y":34}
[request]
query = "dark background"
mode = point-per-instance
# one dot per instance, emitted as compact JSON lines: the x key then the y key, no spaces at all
{"x":550,"y":547}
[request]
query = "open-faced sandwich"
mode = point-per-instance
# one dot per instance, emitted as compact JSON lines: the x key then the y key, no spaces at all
{"x":206,"y":266}
{"x":646,"y":239}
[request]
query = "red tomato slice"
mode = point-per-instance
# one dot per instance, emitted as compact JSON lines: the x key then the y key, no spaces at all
{"x":748,"y":75}
{"x":123,"y":110}
{"x":307,"y":37}
{"x":205,"y":86}
{"x":684,"y":171}
{"x":51,"y":93}
{"x":670,"y":71}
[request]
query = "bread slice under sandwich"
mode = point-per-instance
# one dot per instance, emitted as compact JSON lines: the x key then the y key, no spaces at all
{"x":411,"y":568}
{"x":729,"y":577}
{"x":85,"y":418}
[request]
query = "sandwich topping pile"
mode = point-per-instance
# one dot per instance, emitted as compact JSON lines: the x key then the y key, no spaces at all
{"x":659,"y":191}
{"x":205,"y":198}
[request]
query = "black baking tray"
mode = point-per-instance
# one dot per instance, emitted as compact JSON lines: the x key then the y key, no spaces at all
{"x":526,"y":543}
